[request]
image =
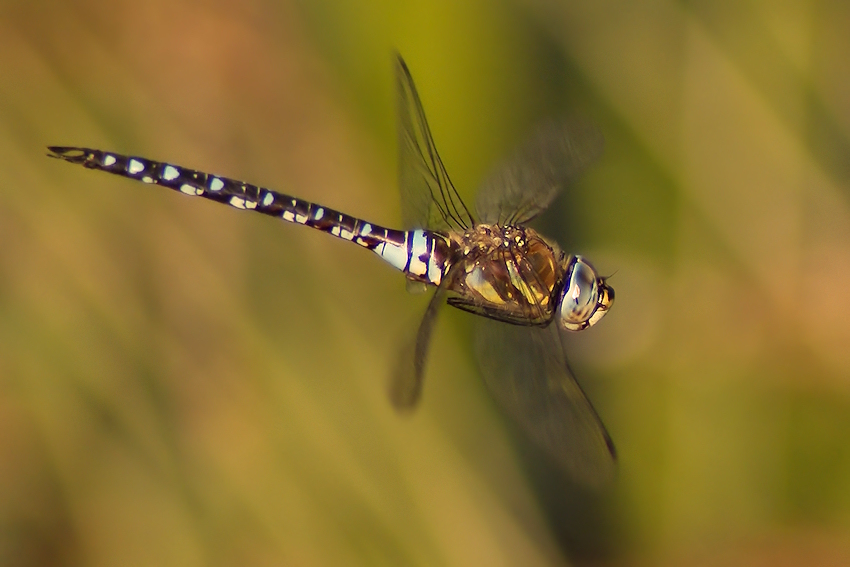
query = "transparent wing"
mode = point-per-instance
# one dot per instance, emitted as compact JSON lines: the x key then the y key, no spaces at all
{"x":428,"y":198}
{"x":526,"y":371}
{"x":405,"y":388}
{"x":554,"y":156}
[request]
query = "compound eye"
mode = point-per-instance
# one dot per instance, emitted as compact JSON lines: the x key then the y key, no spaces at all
{"x":580,"y":297}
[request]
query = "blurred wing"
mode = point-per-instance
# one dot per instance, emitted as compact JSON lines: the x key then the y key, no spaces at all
{"x":405,"y":388}
{"x":553,"y":157}
{"x":428,"y":198}
{"x":526,"y":370}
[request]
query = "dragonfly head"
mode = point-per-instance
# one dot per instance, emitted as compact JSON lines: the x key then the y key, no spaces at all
{"x":585,"y":298}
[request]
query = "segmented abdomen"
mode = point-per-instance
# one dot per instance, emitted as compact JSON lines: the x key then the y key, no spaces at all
{"x":421,"y":254}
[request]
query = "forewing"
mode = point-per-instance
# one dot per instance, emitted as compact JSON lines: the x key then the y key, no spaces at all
{"x":428,"y":198}
{"x":526,"y":371}
{"x":553,"y":157}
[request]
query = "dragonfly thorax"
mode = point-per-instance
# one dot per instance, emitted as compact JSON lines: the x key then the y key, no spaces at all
{"x":508,"y":273}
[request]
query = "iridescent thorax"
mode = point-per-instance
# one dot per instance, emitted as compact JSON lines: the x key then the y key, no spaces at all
{"x":508,"y":273}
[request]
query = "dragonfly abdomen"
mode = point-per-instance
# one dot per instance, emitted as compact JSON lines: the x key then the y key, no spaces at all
{"x":421,"y":254}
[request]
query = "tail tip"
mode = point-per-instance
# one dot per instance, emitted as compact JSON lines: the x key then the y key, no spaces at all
{"x":67,"y":153}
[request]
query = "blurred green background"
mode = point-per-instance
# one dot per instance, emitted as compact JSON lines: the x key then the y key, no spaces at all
{"x":184,"y":384}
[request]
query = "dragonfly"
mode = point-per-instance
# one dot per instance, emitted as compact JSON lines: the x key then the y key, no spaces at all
{"x":528,"y":293}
